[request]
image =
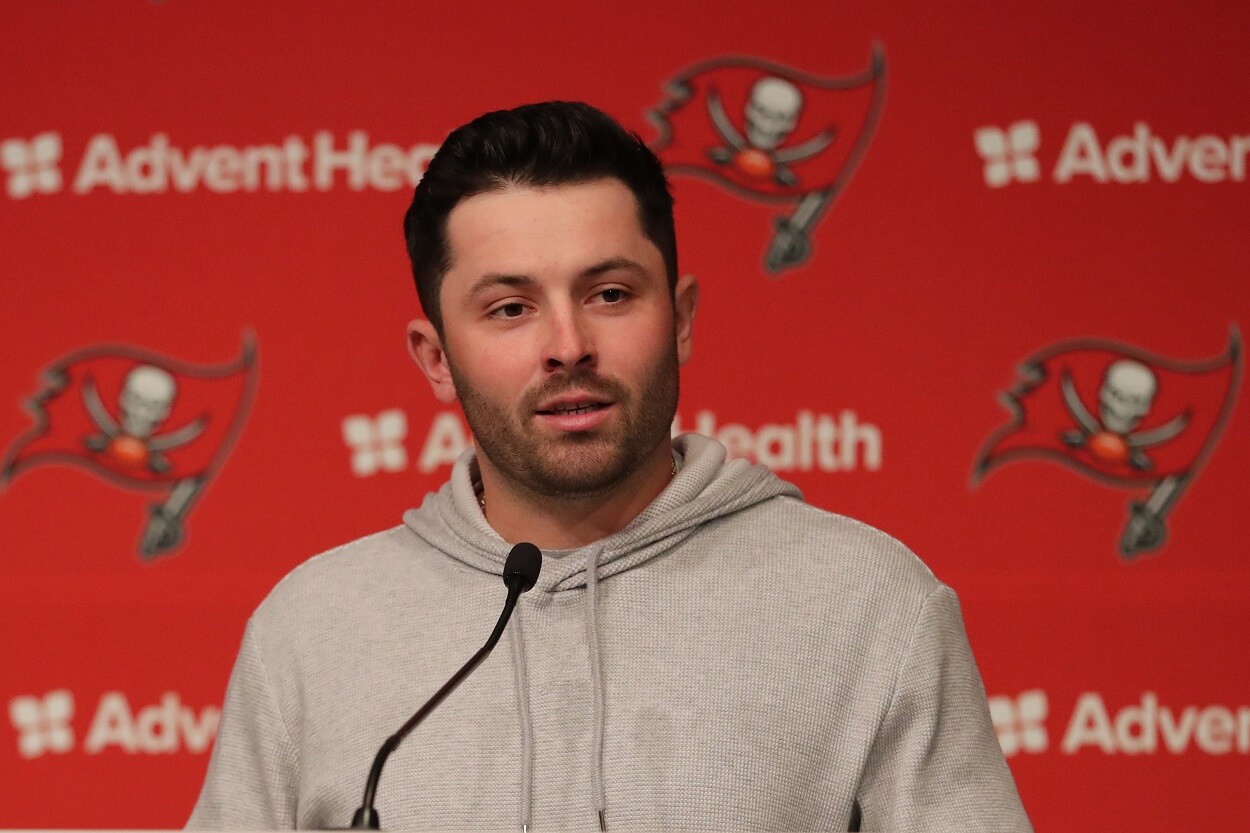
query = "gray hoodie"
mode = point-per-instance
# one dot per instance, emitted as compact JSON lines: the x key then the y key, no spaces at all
{"x":733,"y":659}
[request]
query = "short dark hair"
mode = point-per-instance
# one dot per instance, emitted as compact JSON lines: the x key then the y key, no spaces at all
{"x":552,"y":143}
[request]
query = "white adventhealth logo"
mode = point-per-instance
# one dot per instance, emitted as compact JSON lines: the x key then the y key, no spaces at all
{"x":1143,"y":156}
{"x":1144,"y":727}
{"x":294,"y":164}
{"x":32,"y":166}
{"x":161,"y":728}
{"x":376,"y":443}
{"x":1009,"y":154}
{"x":1149,"y":727}
{"x":323,"y":161}
{"x":1021,"y":722}
{"x":43,"y":723}
{"x":813,"y":441}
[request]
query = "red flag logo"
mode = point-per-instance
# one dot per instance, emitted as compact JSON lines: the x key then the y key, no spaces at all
{"x":141,"y":421}
{"x":1122,"y":416}
{"x":769,"y":132}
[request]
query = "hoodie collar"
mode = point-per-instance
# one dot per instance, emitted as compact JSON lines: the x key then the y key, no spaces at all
{"x":707,"y":486}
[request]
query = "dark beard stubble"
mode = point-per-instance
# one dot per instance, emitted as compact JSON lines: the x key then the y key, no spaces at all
{"x":581,"y":464}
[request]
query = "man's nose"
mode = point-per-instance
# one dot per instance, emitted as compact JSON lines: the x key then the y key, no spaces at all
{"x":569,"y":342}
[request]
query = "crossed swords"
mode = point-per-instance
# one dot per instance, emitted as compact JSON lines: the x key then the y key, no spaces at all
{"x":1146,"y":529}
{"x":792,"y":243}
{"x":164,"y":529}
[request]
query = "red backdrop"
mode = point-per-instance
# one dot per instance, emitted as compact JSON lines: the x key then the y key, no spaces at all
{"x":973,"y":201}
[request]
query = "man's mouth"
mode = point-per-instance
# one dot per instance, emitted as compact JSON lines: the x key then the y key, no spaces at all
{"x":567,"y":408}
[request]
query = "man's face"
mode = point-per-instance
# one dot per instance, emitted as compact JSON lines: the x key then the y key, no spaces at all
{"x":560,"y":337}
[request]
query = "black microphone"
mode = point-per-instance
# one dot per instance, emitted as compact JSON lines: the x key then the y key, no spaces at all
{"x":520,"y":572}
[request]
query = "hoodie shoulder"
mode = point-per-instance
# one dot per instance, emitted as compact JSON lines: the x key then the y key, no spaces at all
{"x":348,"y":573}
{"x":806,"y":544}
{"x":874,"y":545}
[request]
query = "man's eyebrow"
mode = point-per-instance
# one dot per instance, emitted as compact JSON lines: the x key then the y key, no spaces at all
{"x":612,"y":264}
{"x":493,"y":279}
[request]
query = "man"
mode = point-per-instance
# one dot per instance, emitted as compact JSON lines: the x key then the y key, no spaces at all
{"x":703,"y":650}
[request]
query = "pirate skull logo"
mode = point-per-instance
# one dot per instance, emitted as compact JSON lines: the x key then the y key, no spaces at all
{"x":147,"y":397}
{"x":770,"y":117}
{"x":772,"y":112}
{"x":1125,"y":399}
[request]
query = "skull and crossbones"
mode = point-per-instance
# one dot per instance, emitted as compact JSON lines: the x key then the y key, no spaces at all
{"x":146,"y":399}
{"x":1125,"y":399}
{"x":771,"y":114}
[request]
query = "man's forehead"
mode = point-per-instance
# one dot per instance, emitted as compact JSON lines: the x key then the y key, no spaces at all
{"x":519,"y":229}
{"x":523,"y":204}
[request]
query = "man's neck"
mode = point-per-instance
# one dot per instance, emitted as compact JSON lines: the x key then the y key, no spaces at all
{"x":568,"y":523}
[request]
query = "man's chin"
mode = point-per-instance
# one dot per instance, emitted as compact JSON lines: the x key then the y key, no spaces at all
{"x":580,"y":471}
{"x":566,"y":487}
{"x":576,"y":443}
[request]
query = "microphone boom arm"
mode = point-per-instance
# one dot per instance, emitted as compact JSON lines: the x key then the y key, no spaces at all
{"x":520,"y":574}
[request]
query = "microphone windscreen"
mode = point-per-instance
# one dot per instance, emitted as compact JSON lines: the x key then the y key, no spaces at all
{"x":524,"y":563}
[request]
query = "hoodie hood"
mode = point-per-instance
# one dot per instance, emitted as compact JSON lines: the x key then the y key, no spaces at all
{"x":706,"y":487}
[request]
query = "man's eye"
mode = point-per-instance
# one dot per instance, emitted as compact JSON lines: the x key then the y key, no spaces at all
{"x":612,"y":296}
{"x":513,"y":310}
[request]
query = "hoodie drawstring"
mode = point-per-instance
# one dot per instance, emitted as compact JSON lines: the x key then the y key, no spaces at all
{"x":596,"y":682}
{"x":527,"y":724}
{"x":596,"y":701}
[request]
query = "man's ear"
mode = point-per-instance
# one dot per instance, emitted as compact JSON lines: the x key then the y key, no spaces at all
{"x":685,"y":302}
{"x":426,"y":348}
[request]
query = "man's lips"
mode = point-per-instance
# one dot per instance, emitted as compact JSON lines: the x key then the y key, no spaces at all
{"x":572,"y":405}
{"x":574,"y":413}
